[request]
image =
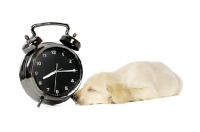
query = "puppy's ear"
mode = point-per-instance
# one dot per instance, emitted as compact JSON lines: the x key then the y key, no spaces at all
{"x":119,"y":94}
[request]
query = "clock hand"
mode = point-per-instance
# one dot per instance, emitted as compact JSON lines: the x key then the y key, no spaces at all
{"x":68,"y":70}
{"x":50,"y":74}
{"x":55,"y":77}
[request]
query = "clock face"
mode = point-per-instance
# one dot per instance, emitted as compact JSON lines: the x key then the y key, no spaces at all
{"x":57,"y":71}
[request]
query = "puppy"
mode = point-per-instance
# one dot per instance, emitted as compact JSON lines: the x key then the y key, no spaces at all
{"x":133,"y":82}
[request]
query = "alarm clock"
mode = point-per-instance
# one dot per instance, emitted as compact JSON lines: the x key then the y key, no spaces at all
{"x":51,"y":72}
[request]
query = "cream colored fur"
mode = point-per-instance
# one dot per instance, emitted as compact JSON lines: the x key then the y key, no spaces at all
{"x":133,"y":82}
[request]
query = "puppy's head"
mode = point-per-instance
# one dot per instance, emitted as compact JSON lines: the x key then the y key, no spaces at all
{"x":90,"y":95}
{"x":98,"y":90}
{"x":94,"y":90}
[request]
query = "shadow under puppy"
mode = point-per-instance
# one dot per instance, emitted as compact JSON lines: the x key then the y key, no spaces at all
{"x":133,"y":82}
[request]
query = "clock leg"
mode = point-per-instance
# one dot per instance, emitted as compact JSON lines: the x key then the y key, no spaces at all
{"x":40,"y":101}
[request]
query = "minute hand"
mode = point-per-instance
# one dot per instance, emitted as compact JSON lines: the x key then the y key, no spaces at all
{"x":68,"y":70}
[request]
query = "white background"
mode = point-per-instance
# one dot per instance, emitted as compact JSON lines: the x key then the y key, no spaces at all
{"x":112,"y":34}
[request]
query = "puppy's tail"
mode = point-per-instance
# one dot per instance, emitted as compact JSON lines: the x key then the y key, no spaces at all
{"x":180,"y":83}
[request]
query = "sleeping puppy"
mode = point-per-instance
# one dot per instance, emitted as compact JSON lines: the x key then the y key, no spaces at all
{"x":133,"y":82}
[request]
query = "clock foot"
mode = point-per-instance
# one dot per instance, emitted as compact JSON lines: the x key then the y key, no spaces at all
{"x":40,"y":101}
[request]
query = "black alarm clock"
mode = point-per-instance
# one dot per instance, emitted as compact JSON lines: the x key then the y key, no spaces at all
{"x":51,"y":72}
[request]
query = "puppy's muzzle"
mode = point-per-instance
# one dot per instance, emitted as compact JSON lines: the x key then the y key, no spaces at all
{"x":74,"y":98}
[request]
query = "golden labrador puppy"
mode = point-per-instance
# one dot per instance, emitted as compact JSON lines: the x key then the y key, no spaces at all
{"x":133,"y":82}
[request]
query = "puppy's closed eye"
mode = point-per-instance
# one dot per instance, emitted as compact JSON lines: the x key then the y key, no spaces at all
{"x":91,"y":90}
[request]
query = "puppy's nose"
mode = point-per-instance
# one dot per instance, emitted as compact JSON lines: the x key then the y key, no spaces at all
{"x":75,"y":97}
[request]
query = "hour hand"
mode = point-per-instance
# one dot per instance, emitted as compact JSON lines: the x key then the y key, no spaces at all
{"x":50,"y":74}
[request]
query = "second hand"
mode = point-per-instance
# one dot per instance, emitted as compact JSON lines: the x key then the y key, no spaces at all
{"x":55,"y":77}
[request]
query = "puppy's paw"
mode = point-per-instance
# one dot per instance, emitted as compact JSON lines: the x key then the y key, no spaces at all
{"x":119,"y":94}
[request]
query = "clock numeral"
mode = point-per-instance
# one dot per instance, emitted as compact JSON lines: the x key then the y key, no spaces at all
{"x":72,"y":80}
{"x":57,"y":91}
{"x":44,"y":55}
{"x":40,"y":82}
{"x":72,"y":40}
{"x":53,"y":52}
{"x":39,"y":63}
{"x":66,"y":88}
{"x":70,"y":61}
{"x":36,"y":73}
{"x":47,"y":89}
{"x":63,"y":54}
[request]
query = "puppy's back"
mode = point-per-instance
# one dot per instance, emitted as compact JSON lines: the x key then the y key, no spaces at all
{"x":101,"y":79}
{"x":150,"y":74}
